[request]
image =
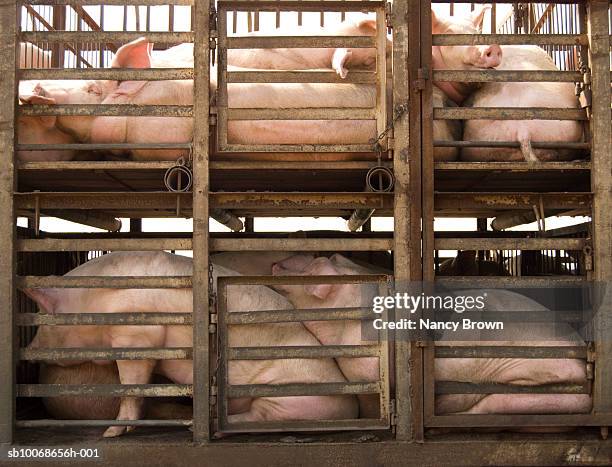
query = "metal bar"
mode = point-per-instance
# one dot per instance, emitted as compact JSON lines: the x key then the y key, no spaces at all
{"x":510,"y":39}
{"x":311,"y":5}
{"x":507,"y":113}
{"x":360,"y":148}
{"x":485,"y":76}
{"x":515,"y":144}
{"x":9,"y":62}
{"x":516,"y":281}
{"x":450,"y":351}
{"x":305,"y":76}
{"x":302,"y":280}
{"x":301,"y":200}
{"x":284,"y":316}
{"x":176,"y":353}
{"x":306,"y":425}
{"x":131,"y":282}
{"x":106,"y":2}
{"x":117,"y":74}
{"x":510,"y":243}
{"x":406,"y":210}
{"x":328,"y":351}
{"x":104,"y":390}
{"x":300,"y":389}
{"x":355,"y":113}
{"x":601,"y":136}
{"x":263,"y":42}
{"x":452,"y":387}
{"x":98,"y":165}
{"x":512,"y":201}
{"x":201,"y":310}
{"x":99,"y":423}
{"x":105,"y":319}
{"x":105,"y":36}
{"x":510,"y":166}
{"x":133,"y":110}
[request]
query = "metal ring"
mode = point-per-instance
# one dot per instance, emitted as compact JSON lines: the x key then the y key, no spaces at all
{"x":178,"y":179}
{"x":383,"y":182}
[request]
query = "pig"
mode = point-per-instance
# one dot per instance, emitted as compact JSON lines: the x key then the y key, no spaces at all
{"x":445,"y":130}
{"x":462,"y":57}
{"x":339,"y":59}
{"x":466,"y":264}
{"x":31,"y":56}
{"x":475,"y":370}
{"x":523,"y":94}
{"x":241,"y":298}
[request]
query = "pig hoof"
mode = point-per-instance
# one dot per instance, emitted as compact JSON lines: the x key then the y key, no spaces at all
{"x":114,"y":431}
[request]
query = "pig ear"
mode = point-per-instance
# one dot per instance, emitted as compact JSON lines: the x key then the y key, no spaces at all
{"x":135,"y":54}
{"x":47,"y":299}
{"x":321,"y":267}
{"x":477,"y":16}
{"x":320,"y":291}
{"x":47,"y":121}
{"x":367,"y":26}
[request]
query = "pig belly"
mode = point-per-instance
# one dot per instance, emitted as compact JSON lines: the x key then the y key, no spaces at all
{"x":301,"y":132}
{"x":523,"y":372}
{"x":280,"y":59}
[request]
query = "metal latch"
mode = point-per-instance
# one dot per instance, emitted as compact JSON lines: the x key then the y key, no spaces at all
{"x":392,"y":413}
{"x":389,"y":17}
{"x":587,"y":251}
{"x":422,"y":76}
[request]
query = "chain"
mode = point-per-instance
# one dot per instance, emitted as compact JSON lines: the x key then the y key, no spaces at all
{"x":399,"y":111}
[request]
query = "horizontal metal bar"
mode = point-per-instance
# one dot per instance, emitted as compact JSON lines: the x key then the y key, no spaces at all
{"x":311,"y":5}
{"x":225,"y":200}
{"x":510,"y":243}
{"x":302,"y":114}
{"x":329,"y":351}
{"x":301,"y":244}
{"x":175,"y":353}
{"x":307,"y":76}
{"x":105,"y":244}
{"x":516,"y":144}
{"x":304,"y":425}
{"x":450,"y":351}
{"x":302,"y":280}
{"x":94,"y":282}
{"x":512,"y":166}
{"x":359,"y":148}
{"x":105,"y":390}
{"x":107,"y":2}
{"x":284,"y":316}
{"x":454,"y":387}
{"x":511,"y":281}
{"x":509,"y":39}
{"x":485,"y":76}
{"x":518,"y":420}
{"x":293,"y":165}
{"x":134,"y":318}
{"x":48,"y":423}
{"x":301,"y":389}
{"x":98,"y":165}
{"x":507,"y":113}
{"x":131,"y":110}
{"x":267,"y":42}
{"x":105,"y":36}
{"x":115,"y":74}
{"x":524,"y":200}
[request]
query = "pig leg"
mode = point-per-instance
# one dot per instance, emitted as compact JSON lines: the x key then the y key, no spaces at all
{"x":527,"y":150}
{"x":131,"y":408}
{"x":339,"y":59}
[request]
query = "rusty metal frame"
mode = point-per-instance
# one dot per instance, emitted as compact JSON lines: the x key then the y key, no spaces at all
{"x":225,"y":114}
{"x":225,"y":354}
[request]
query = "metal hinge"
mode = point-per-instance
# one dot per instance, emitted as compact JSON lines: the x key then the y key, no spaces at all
{"x":392,"y":413}
{"x":213,"y":392}
{"x":422,"y":76}
{"x":389,"y":17}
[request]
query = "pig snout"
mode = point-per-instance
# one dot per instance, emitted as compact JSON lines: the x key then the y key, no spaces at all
{"x":490,"y":56}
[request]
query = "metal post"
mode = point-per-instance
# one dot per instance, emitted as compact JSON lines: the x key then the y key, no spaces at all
{"x":201,"y":376}
{"x":9,"y":18}
{"x":406,"y":211}
{"x":59,"y":24}
{"x":136,"y":225}
{"x":599,"y":51}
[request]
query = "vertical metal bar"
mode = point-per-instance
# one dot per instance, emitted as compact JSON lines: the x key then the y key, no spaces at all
{"x":171,"y":18}
{"x":601,"y":184}
{"x":136,"y":225}
{"x":427,"y":196}
{"x":222,"y":79}
{"x":201,"y":370}
{"x":9,"y":18}
{"x":101,"y":45}
{"x":381,"y":72}
{"x":222,"y":352}
{"x":59,"y":24}
{"x":406,"y":211}
{"x":249,"y":224}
